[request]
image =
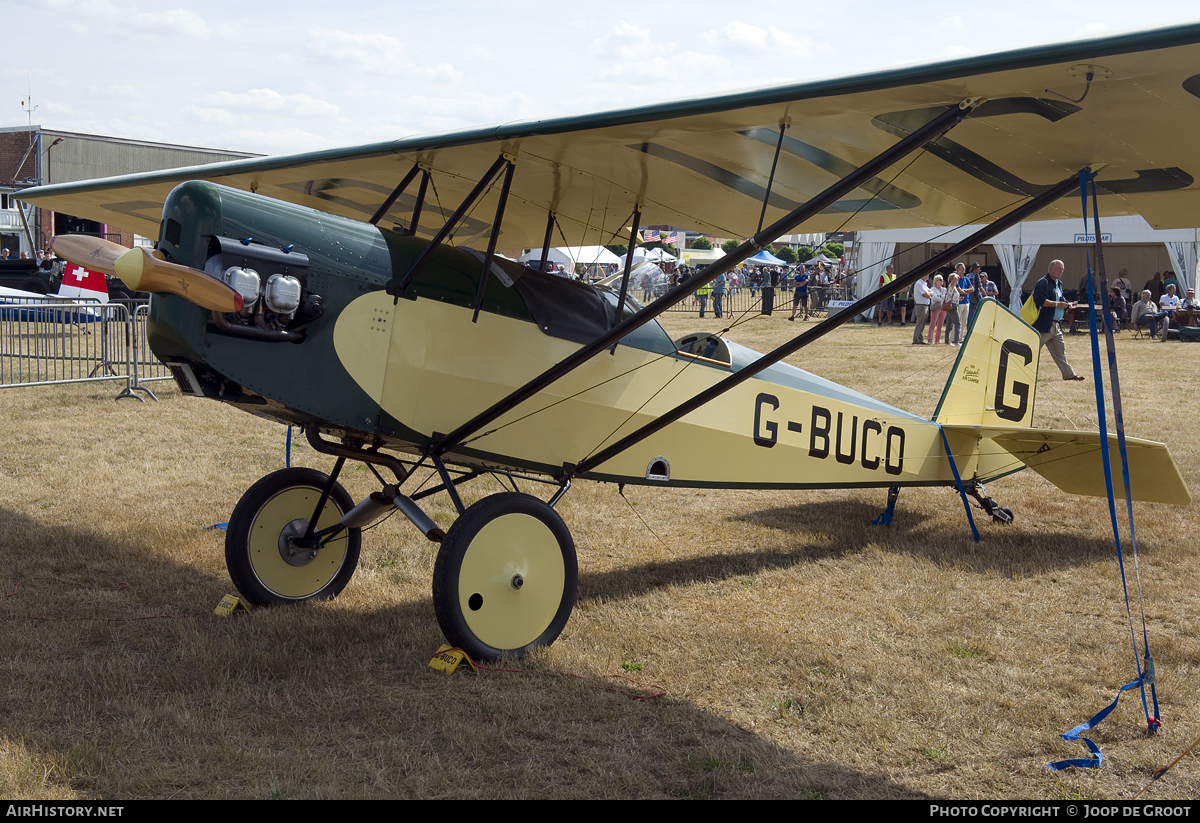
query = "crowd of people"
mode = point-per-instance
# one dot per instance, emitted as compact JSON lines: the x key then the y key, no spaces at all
{"x":939,"y":307}
{"x":810,"y":287}
{"x":1157,"y":315}
{"x":46,"y":260}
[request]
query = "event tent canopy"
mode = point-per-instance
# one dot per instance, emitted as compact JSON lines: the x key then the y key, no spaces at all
{"x":765,"y":258}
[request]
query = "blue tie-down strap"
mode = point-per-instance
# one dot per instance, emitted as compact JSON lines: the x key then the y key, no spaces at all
{"x":215,"y":526}
{"x":1076,"y":733}
{"x":959,"y":485}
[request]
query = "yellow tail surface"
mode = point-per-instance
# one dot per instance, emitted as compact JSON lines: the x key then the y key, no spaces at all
{"x":986,"y":411}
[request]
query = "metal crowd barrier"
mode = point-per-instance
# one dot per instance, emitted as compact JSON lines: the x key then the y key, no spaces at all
{"x":51,"y":341}
{"x":144,"y":367}
{"x":744,"y":299}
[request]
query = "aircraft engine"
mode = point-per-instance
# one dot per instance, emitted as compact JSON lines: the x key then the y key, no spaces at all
{"x":273,"y":285}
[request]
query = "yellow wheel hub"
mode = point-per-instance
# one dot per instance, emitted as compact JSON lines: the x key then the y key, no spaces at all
{"x":511,"y":581}
{"x":297,"y":576}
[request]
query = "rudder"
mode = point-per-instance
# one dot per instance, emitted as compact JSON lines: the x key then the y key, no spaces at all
{"x":995,"y":376}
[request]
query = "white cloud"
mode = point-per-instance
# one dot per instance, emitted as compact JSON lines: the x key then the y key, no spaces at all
{"x":206,"y":114}
{"x":676,"y":67}
{"x":743,"y":35}
{"x":269,"y":100}
{"x":379,"y":53}
{"x":128,"y":91}
{"x":179,"y":21}
{"x":288,"y":139}
{"x":1093,"y":30}
{"x":631,"y":52}
{"x":623,"y":40}
{"x":950,"y":25}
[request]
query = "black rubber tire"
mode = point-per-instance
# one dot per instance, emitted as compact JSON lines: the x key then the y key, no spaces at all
{"x":252,"y":554}
{"x":505,"y":578}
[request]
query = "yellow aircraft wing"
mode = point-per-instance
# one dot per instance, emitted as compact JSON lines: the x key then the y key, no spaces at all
{"x":706,"y":163}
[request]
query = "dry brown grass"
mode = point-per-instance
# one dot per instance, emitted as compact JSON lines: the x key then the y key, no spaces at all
{"x":807,"y":653}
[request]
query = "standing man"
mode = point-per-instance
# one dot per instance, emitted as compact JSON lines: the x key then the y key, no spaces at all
{"x":976,"y":294}
{"x":718,"y":295}
{"x":888,"y":306}
{"x":987,"y":288}
{"x":1048,"y":296}
{"x":770,"y":281}
{"x":966,"y":292}
{"x":801,"y":296}
{"x":1155,"y":286}
{"x":923,"y":300}
{"x":702,"y":297}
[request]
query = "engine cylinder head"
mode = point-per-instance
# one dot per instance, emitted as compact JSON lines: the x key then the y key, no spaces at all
{"x":245,"y":282}
{"x":282,"y":294}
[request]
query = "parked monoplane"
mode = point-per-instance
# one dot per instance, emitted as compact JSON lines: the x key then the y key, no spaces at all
{"x":340,"y":291}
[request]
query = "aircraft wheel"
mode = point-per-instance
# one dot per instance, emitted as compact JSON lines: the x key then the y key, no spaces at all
{"x":266,"y":569}
{"x":505,"y":577}
{"x":1002,"y":514}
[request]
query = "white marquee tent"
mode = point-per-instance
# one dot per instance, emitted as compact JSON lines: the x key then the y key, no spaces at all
{"x":569,"y":256}
{"x":1017,"y":247}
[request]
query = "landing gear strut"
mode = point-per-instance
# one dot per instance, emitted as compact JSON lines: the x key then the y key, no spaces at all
{"x":1000,"y":514}
{"x":504,"y":581}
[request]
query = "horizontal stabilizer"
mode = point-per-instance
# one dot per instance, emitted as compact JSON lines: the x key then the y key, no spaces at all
{"x":1073,"y":461}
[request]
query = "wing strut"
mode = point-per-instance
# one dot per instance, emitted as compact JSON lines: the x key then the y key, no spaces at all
{"x":396,"y":288}
{"x":416,"y":218}
{"x":771,"y":180}
{"x":830,"y":323}
{"x":396,"y":192}
{"x":495,"y":235}
{"x":637,"y":224}
{"x":930,"y":131}
{"x":550,"y":219}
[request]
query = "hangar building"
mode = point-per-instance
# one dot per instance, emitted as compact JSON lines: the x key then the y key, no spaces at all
{"x":35,"y":156}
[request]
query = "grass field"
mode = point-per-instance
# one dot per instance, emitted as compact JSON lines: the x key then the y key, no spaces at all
{"x":805,"y":652}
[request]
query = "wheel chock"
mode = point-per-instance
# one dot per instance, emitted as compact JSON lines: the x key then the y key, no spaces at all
{"x":230,"y":604}
{"x":448,"y":660}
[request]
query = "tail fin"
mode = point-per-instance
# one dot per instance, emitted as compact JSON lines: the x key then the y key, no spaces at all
{"x":986,"y":411}
{"x":994,"y":379}
{"x":80,"y":282}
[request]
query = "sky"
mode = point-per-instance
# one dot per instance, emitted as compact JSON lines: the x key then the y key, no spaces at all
{"x":279,"y":78}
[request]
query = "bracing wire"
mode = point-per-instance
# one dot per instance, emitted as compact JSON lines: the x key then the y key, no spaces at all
{"x":745,"y":316}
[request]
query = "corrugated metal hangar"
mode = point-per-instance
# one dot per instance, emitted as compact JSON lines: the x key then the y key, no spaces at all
{"x":34,"y":156}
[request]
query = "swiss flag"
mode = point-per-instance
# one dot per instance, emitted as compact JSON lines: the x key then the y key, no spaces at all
{"x":80,"y":282}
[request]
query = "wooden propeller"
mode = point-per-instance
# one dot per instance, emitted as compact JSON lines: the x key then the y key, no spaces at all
{"x":89,"y":252}
{"x":142,"y":270}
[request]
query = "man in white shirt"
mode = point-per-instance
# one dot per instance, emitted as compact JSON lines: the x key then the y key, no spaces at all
{"x":923,"y":298}
{"x":1170,"y":301}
